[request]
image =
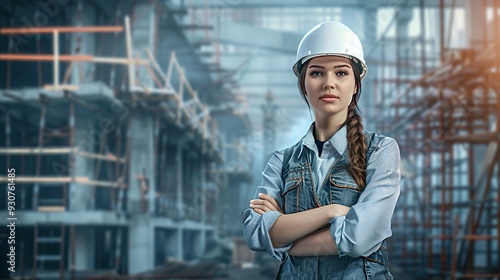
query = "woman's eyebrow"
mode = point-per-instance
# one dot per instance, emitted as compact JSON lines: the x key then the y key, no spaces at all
{"x":336,"y":66}
{"x":343,"y":65}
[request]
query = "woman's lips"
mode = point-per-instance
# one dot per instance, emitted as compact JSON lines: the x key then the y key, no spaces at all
{"x":329,"y":98}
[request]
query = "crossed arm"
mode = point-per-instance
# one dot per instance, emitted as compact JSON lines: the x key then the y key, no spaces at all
{"x":308,"y":230}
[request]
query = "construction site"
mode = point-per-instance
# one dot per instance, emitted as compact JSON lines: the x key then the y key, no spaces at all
{"x":136,"y":131}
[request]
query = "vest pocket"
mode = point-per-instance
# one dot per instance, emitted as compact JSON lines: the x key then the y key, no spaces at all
{"x":342,"y":192}
{"x":291,"y":194}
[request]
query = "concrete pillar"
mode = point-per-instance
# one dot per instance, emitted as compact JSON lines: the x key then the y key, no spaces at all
{"x":143,"y":35}
{"x":141,"y":163}
{"x":203,"y":204}
{"x":141,"y":231}
{"x":82,"y":43}
{"x":368,"y":100}
{"x":179,"y":166}
{"x":141,"y":245}
{"x":84,"y":248}
{"x":187,"y":189}
{"x":402,"y":31}
{"x":86,"y":139}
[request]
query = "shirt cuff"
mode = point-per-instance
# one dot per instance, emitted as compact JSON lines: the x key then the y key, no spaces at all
{"x":269,"y":218}
{"x":336,"y":226}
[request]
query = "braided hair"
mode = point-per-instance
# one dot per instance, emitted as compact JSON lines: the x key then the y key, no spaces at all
{"x":355,"y":137}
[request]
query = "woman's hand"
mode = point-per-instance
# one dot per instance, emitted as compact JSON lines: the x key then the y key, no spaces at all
{"x":336,"y":210}
{"x":265,"y":203}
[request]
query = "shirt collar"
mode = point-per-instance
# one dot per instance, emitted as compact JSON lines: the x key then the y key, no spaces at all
{"x":338,"y":140}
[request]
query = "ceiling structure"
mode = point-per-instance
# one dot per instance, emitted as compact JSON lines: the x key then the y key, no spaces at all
{"x":251,"y":45}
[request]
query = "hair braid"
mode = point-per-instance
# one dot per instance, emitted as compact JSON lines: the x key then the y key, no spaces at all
{"x":357,"y":147}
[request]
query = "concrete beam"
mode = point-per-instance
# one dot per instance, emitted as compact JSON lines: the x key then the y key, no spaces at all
{"x":30,"y":218}
{"x":241,"y":4}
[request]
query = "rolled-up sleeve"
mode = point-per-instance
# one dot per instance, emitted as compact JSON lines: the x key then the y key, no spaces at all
{"x":255,"y":226}
{"x":368,"y":222}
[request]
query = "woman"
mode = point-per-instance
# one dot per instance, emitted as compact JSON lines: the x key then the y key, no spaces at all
{"x":325,"y":204}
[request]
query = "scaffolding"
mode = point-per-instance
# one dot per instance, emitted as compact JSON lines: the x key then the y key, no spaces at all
{"x":447,"y":122}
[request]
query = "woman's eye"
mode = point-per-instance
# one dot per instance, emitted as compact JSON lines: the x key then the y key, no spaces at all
{"x":342,"y":73}
{"x":316,"y":73}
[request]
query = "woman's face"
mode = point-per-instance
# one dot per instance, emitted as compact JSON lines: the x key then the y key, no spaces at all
{"x":330,"y":85}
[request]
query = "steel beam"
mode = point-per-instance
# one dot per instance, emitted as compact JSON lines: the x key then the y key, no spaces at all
{"x":243,"y":34}
{"x":241,"y":4}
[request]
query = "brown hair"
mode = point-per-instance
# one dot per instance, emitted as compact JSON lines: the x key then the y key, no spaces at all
{"x":355,"y":137}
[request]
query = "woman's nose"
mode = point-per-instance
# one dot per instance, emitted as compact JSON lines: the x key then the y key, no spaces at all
{"x":329,"y":81}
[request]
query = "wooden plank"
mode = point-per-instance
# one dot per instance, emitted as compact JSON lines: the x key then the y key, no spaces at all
{"x":48,"y":180}
{"x":56,"y":58}
{"x":117,"y":60}
{"x":62,"y":29}
{"x":128,"y":42}
{"x":51,"y":208}
{"x":28,"y":151}
{"x":70,"y":58}
{"x":44,"y":57}
{"x":58,"y":151}
{"x":21,"y":179}
{"x":61,"y":87}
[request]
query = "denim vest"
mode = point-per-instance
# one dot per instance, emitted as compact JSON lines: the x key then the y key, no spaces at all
{"x":338,"y":187}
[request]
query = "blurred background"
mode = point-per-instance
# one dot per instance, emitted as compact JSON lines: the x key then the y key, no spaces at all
{"x":138,"y":130}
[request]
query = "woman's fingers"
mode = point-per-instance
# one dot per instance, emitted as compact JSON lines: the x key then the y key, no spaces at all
{"x":266,"y":204}
{"x":269,"y":198}
{"x":262,"y":207}
{"x":259,"y":211}
{"x":272,"y":200}
{"x":263,"y":204}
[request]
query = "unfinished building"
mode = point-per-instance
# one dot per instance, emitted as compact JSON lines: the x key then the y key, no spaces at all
{"x":115,"y":154}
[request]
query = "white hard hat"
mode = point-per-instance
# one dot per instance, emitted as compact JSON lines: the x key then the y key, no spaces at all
{"x":330,"y":38}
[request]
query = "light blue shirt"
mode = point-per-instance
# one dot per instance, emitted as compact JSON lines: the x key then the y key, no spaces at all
{"x":370,"y":215}
{"x":332,"y":151}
